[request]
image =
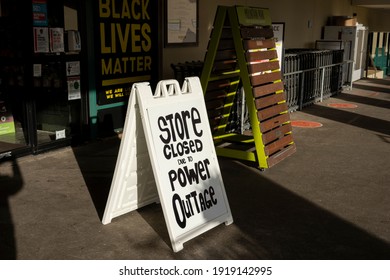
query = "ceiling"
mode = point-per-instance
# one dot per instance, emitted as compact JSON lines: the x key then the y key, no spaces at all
{"x":375,"y":4}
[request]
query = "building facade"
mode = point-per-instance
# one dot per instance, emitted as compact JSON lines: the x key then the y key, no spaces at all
{"x":66,"y":69}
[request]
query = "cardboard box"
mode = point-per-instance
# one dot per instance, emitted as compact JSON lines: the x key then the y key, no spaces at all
{"x":342,"y":21}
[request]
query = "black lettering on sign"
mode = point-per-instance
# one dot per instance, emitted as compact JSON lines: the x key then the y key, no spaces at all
{"x":179,"y":133}
{"x":184,"y":176}
{"x":176,"y":126}
{"x":182,"y":148}
{"x":193,"y":203}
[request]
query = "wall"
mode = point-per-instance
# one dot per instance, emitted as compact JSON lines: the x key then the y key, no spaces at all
{"x":304,"y":20}
{"x":378,"y":20}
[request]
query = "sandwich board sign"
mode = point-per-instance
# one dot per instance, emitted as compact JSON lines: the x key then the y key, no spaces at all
{"x":172,"y":127}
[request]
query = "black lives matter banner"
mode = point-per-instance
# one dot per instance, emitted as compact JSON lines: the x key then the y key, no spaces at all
{"x":126,"y":46}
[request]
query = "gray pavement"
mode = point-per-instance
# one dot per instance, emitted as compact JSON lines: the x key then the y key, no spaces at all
{"x":329,"y":200}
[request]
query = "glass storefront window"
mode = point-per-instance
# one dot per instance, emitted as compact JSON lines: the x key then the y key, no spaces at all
{"x":40,"y":95}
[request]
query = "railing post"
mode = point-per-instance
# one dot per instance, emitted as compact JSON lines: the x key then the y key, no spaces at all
{"x":322,"y":83}
{"x":301,"y":91}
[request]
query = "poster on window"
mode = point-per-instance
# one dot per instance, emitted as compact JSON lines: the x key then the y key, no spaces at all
{"x":41,"y":39}
{"x":57,"y":40}
{"x":39,"y":8}
{"x":74,"y":91}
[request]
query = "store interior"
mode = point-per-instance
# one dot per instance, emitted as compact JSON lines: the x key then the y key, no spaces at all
{"x":36,"y":107}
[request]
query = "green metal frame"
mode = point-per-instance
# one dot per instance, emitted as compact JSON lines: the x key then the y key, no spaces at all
{"x":258,"y":155}
{"x":246,"y":83}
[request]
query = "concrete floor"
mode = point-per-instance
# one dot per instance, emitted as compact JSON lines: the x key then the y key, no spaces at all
{"x":329,"y":200}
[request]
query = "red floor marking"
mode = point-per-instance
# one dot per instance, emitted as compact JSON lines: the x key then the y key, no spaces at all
{"x":342,"y":105}
{"x":305,"y":124}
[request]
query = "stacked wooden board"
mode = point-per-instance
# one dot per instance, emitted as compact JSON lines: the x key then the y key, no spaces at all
{"x":242,"y":54}
{"x":223,"y":76}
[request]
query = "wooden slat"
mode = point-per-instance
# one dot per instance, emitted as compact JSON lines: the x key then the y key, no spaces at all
{"x":215,"y":118}
{"x":226,"y":54}
{"x":217,"y":94}
{"x":247,"y":32}
{"x":214,"y":123}
{"x":274,"y":122}
{"x":279,"y":156}
{"x":272,"y":111}
{"x":215,"y":104}
{"x":225,"y":44}
{"x":263,"y":66}
{"x":259,"y":44}
{"x":278,"y":145}
{"x":263,"y":90}
{"x":218,"y":84}
{"x":212,"y":114}
{"x":224,"y":65}
{"x":265,"y":78}
{"x":237,"y":138}
{"x":276,"y":133}
{"x":226,"y":33}
{"x":270,"y":100}
{"x":261,"y":55}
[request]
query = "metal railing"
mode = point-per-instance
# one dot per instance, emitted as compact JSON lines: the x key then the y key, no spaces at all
{"x":187,"y":69}
{"x":311,"y":76}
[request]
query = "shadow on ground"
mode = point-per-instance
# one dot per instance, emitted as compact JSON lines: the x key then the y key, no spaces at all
{"x":270,"y":222}
{"x":287,"y":226}
{"x":9,"y":185}
{"x":97,"y":163}
{"x":381,"y":85}
{"x":367,"y":100}
{"x":351,"y":118}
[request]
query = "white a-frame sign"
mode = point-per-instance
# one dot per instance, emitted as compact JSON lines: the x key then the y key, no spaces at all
{"x":169,"y":133}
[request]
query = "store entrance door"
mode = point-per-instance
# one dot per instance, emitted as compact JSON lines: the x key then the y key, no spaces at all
{"x":14,"y":112}
{"x":33,"y":120}
{"x":40,"y":76}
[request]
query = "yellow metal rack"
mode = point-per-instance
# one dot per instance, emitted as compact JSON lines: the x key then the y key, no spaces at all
{"x":241,"y":53}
